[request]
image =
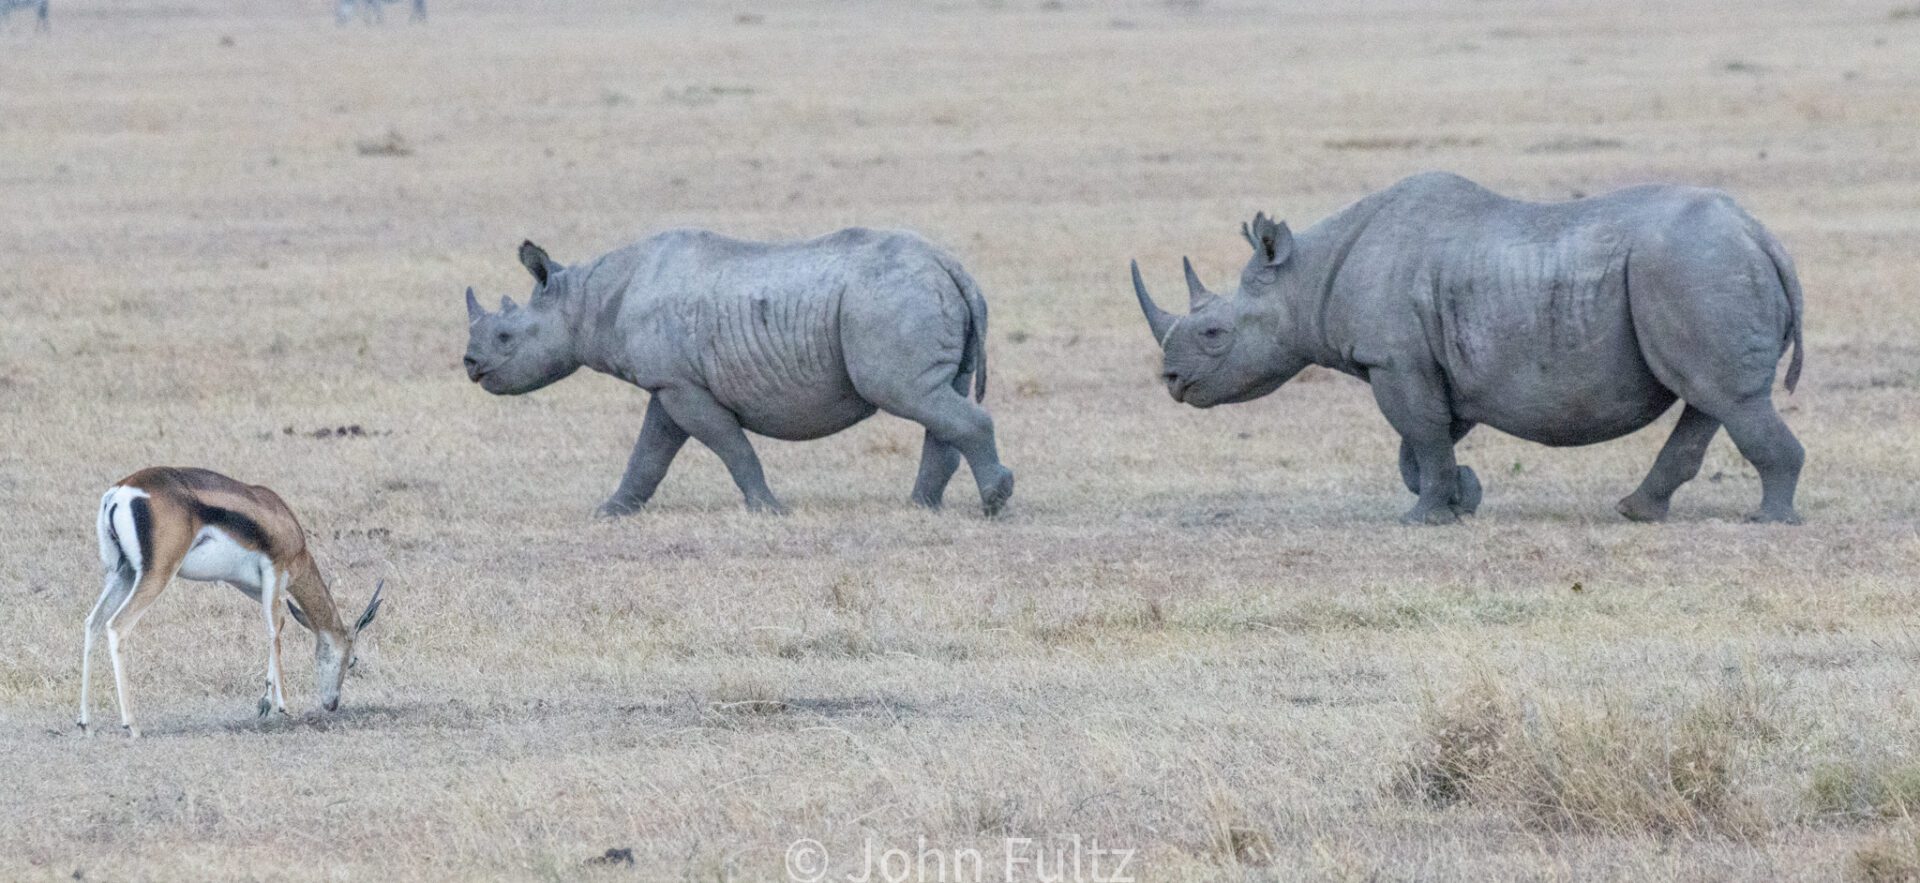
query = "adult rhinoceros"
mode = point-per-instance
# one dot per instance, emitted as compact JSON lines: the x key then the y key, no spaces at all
{"x":1562,"y":323}
{"x":790,"y":340}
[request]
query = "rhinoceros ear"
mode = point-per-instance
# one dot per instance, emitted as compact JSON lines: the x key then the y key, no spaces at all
{"x":535,"y":259}
{"x":1271,"y":240}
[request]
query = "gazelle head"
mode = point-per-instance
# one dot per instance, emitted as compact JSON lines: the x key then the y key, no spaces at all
{"x":333,"y":650}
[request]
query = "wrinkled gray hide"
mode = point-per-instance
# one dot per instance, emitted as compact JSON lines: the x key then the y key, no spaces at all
{"x":1563,"y":323}
{"x":790,"y":340}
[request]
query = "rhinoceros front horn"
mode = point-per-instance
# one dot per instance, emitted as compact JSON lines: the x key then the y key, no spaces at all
{"x":1159,"y":320}
{"x":473,"y":307}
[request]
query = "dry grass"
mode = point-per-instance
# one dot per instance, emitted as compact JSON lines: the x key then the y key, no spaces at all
{"x":230,"y":226}
{"x":1857,"y":789}
{"x":1891,"y":857}
{"x":1605,"y":767}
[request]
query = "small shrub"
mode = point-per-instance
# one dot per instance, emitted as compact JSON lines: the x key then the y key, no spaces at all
{"x":747,"y":698}
{"x":977,"y":813}
{"x":1466,"y":737}
{"x":833,"y":642}
{"x":1866,"y":790}
{"x":1587,"y":769}
{"x":1231,"y":837}
{"x":1892,"y":857}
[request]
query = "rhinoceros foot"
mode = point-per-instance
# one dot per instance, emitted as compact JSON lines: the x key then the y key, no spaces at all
{"x":995,"y":492}
{"x":1433,"y":515}
{"x":1467,"y":500}
{"x":1782,"y":515}
{"x":615,"y":508}
{"x":1642,"y":509}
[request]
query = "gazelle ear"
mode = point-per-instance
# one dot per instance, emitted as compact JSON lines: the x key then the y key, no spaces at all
{"x":373,"y":608}
{"x":299,"y":616}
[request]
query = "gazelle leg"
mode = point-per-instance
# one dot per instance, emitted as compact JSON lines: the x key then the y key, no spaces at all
{"x":121,"y":624}
{"x":280,"y":671}
{"x":274,"y":699}
{"x":118,"y":584}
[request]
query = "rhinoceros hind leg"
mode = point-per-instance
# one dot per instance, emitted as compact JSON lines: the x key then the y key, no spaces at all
{"x":938,"y":462}
{"x":1764,"y":439}
{"x":1678,"y":463}
{"x":955,"y":420}
{"x":938,"y":459}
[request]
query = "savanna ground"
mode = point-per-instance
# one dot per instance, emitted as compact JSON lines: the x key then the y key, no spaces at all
{"x":230,"y":227}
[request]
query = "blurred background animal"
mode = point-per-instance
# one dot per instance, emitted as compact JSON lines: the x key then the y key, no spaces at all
{"x":39,"y":7}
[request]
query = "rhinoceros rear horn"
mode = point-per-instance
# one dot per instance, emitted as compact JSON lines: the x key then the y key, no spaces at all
{"x":1159,"y":320}
{"x":474,"y":312}
{"x":1197,"y":293}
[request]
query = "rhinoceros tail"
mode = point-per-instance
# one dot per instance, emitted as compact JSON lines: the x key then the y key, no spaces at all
{"x":1796,"y":302}
{"x":975,"y":357}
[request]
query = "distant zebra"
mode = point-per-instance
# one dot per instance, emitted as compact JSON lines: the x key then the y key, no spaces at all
{"x":39,"y":8}
{"x":373,"y":11}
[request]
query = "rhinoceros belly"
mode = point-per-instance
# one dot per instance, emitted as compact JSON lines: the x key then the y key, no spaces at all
{"x":775,"y":360}
{"x":1539,"y":343}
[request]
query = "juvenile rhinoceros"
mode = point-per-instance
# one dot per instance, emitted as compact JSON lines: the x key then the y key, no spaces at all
{"x":789,"y":340}
{"x":1562,"y":323}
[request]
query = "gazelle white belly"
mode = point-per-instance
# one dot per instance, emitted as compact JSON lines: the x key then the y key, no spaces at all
{"x":215,"y":557}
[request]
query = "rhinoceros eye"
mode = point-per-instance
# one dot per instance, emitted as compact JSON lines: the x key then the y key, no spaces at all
{"x":505,"y":337}
{"x":1213,"y":333}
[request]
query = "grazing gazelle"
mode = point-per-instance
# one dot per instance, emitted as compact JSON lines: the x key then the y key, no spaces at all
{"x":201,"y":525}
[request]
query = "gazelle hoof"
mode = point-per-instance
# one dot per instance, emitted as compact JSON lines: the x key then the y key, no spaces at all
{"x":133,"y":732}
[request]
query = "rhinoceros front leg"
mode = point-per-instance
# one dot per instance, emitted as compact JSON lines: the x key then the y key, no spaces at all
{"x":660,"y":439}
{"x":1417,"y":407}
{"x":1467,"y":500}
{"x":701,"y":416}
